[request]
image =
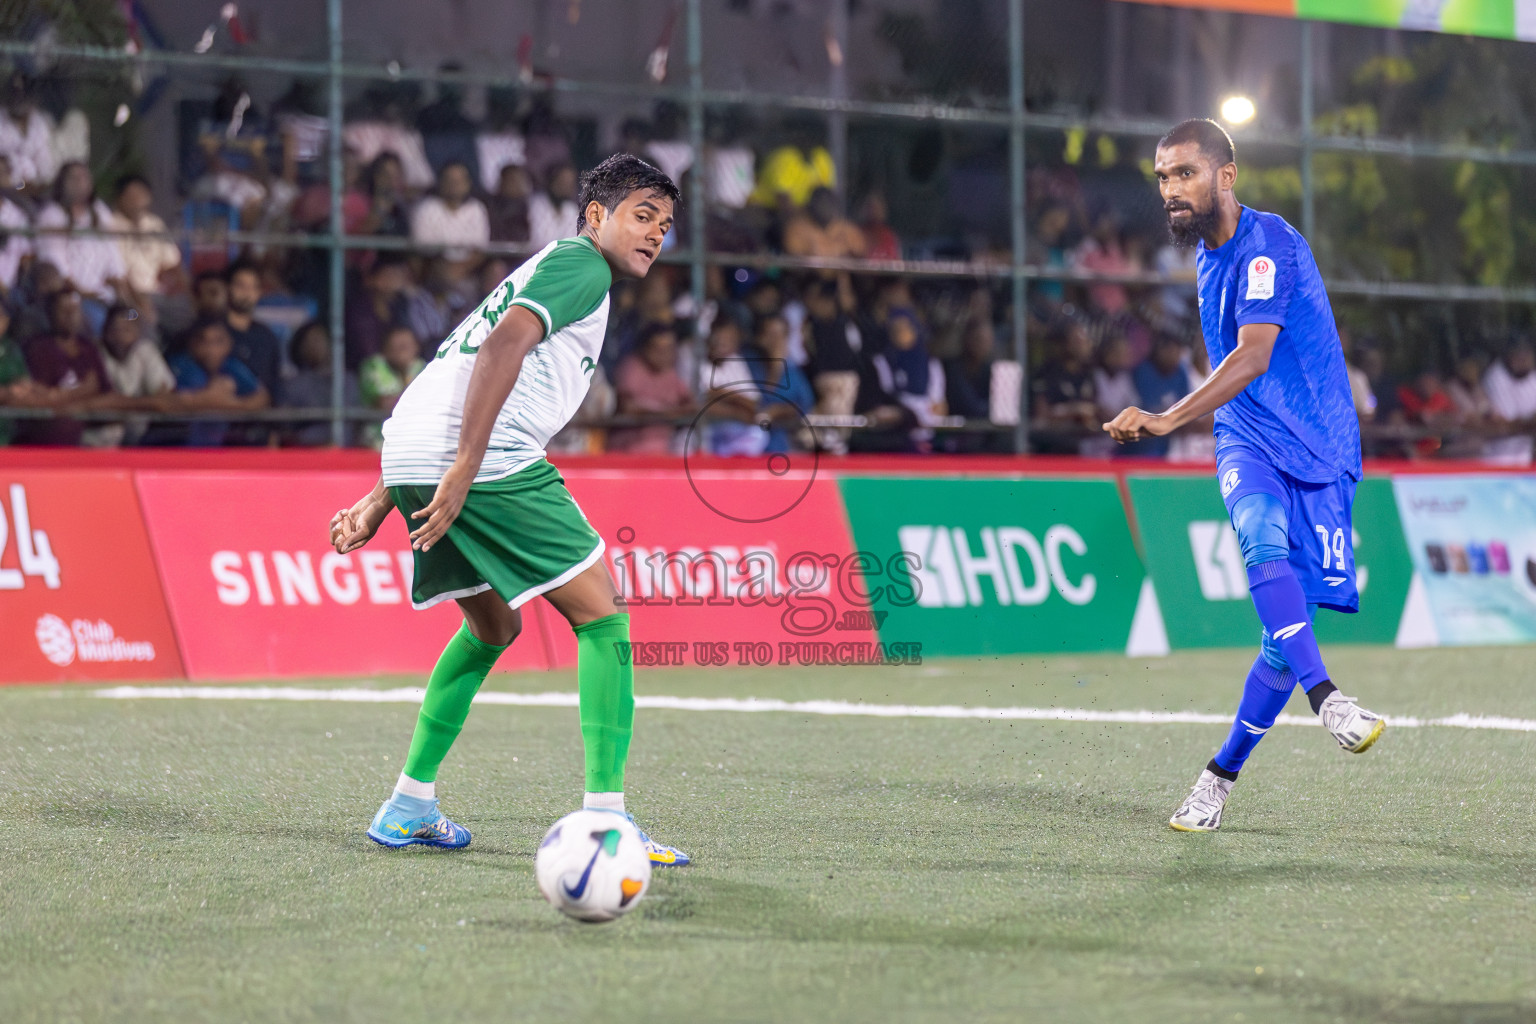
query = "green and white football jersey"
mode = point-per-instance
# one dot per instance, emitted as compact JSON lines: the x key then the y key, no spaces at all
{"x":566,"y":286}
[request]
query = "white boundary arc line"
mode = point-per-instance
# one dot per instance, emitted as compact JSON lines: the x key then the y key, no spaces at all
{"x":413,"y":695}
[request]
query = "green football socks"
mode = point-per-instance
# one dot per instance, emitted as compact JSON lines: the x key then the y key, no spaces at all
{"x":460,"y":670}
{"x":605,"y":680}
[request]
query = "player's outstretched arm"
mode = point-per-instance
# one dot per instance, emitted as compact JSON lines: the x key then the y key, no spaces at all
{"x":497,"y":365}
{"x":353,"y":527}
{"x":1248,"y":361}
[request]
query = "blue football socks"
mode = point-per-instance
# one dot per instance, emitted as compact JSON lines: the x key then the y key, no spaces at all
{"x":1265,"y":693}
{"x":1287,"y":620}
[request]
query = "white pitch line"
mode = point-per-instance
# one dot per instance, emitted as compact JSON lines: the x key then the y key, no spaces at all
{"x":413,"y":695}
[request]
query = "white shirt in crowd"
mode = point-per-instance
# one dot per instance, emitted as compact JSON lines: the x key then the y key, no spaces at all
{"x":729,"y":437}
{"x":142,"y":373}
{"x":729,"y":177}
{"x":89,"y":262}
{"x":70,"y":140}
{"x":29,"y":147}
{"x":370,"y":138}
{"x":16,"y":246}
{"x":548,"y":222}
{"x":145,"y":257}
{"x":1513,"y":399}
{"x":433,"y":223}
{"x":495,"y":150}
{"x":671,"y":158}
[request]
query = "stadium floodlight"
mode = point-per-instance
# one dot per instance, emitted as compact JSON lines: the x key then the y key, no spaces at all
{"x":1237,"y":110}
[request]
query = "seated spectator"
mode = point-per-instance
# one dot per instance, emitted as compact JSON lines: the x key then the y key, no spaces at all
{"x":25,"y":137}
{"x":791,"y":173}
{"x":786,"y":392}
{"x":210,"y":301}
{"x":911,"y":374}
{"x":1104,"y":252}
{"x":91,"y":266}
{"x":17,"y":388}
{"x":890,"y":426}
{"x":1474,"y":412}
{"x":666,"y":147}
{"x":508,"y":207}
{"x":233,"y":161}
{"x":435,"y":307}
{"x":1424,"y":403}
{"x":1466,"y":390}
{"x":384,"y":185}
{"x":380,"y":123}
{"x":453,"y":217}
{"x":152,"y":264}
{"x":1065,"y":407}
{"x":731,"y":396}
{"x":832,"y":344}
{"x":1048,"y":249}
{"x":499,"y":144}
{"x":137,"y":371}
{"x":65,"y":360}
{"x":378,"y":307}
{"x":29,"y":299}
{"x":447,"y":133}
{"x":1511,"y":386}
{"x":1114,"y":384}
{"x":382,"y":378}
{"x":309,"y":387}
{"x":14,"y":248}
{"x":210,"y":379}
{"x":1379,"y":380}
{"x":1161,"y":380}
{"x":968,"y":376}
{"x":821,"y":230}
{"x":255,"y":346}
{"x":880,"y":242}
{"x":728,"y":163}
{"x":647,"y":385}
{"x":552,"y":211}
{"x":544,"y":139}
{"x":1359,"y":383}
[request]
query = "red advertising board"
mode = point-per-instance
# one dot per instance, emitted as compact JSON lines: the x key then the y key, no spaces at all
{"x":256,"y":589}
{"x":79,"y":595}
{"x":727,"y":568}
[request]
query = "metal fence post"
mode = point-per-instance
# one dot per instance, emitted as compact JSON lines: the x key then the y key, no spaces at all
{"x":697,"y":214}
{"x":1016,"y":209}
{"x":338,"y":254}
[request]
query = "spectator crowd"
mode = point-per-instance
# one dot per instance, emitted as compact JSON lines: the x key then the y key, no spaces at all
{"x":112,"y":333}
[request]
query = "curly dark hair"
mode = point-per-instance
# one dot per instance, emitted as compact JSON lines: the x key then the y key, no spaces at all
{"x":613,"y":180}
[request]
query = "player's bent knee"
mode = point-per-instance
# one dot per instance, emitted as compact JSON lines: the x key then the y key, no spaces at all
{"x":1262,"y":531}
{"x":1270,"y":652}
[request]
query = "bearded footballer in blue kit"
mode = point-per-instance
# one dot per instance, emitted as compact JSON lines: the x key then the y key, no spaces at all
{"x":1287,"y":443}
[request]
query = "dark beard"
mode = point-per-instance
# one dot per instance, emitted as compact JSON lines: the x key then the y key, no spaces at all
{"x":1200,"y":223}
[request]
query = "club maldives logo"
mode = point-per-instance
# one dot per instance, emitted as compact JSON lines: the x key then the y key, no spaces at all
{"x":63,"y":642}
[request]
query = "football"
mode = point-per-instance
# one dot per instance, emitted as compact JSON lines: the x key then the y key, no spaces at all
{"x":592,"y":866}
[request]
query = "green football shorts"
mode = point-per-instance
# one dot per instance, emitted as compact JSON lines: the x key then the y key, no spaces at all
{"x":521,"y":536}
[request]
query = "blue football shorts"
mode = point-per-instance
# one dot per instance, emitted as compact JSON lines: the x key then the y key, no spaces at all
{"x":1319,"y":523}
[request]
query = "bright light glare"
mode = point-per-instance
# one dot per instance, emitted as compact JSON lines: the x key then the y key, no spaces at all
{"x":1237,"y":110}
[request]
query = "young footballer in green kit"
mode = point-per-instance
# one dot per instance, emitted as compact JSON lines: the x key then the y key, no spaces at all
{"x":464,"y":462}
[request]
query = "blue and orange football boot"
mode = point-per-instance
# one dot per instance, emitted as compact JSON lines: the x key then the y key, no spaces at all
{"x":662,"y":855}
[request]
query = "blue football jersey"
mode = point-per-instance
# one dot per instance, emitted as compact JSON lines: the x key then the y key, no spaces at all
{"x":1299,"y":414}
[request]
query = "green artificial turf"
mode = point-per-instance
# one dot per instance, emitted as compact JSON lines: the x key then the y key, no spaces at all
{"x":205,"y":860}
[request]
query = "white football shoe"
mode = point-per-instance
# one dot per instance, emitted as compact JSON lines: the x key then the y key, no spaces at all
{"x":1201,"y":811}
{"x":1354,"y":727}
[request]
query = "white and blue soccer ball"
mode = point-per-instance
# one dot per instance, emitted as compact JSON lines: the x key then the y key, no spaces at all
{"x":592,"y":865}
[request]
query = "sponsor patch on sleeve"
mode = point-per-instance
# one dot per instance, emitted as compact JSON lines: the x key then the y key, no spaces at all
{"x":1261,"y":278}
